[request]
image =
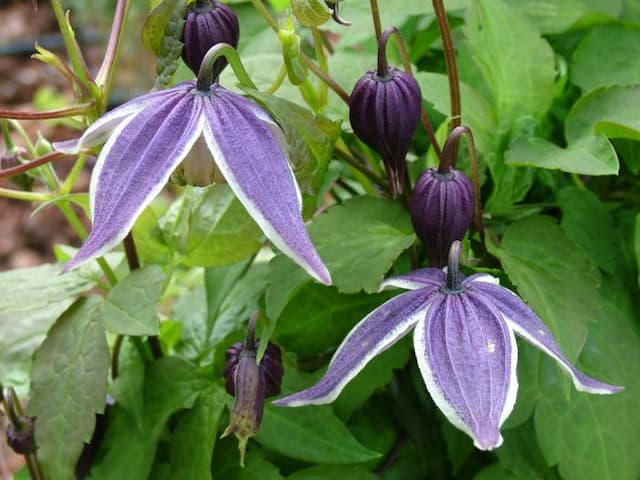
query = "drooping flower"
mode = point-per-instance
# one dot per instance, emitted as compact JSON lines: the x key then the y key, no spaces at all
{"x":211,"y":133}
{"x":464,"y":342}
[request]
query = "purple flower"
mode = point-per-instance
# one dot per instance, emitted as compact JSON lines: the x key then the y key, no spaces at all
{"x":208,"y":134}
{"x":464,"y":343}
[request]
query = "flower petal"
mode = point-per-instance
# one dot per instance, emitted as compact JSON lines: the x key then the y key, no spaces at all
{"x":134,"y":166}
{"x":468,"y":357}
{"x":528,"y":325}
{"x":425,"y":277}
{"x":256,"y":168}
{"x":99,"y":131}
{"x":371,"y":336}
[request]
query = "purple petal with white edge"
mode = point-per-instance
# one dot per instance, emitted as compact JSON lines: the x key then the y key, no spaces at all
{"x":424,"y":277}
{"x":371,"y":336}
{"x":524,"y":322}
{"x":101,"y":129}
{"x":134,"y":166}
{"x":256,"y":168}
{"x":468,"y":356}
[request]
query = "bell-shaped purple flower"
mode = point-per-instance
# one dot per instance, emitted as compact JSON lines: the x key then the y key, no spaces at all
{"x":465,"y":346}
{"x":208,"y":23}
{"x":148,"y":137}
{"x":441,"y":211}
{"x":384,"y":111}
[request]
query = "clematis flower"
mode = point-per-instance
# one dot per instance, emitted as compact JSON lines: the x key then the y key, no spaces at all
{"x":464,"y":343}
{"x":208,"y":133}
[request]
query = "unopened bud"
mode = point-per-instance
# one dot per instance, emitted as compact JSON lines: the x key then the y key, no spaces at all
{"x":310,"y":13}
{"x":21,"y":437}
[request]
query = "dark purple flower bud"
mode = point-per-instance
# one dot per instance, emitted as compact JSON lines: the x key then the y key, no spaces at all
{"x":441,"y":211}
{"x":270,"y":367}
{"x":384,"y":111}
{"x":208,"y":23}
{"x":21,"y":437}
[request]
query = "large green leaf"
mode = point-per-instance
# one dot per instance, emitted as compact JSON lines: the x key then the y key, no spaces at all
{"x":130,"y":307}
{"x":325,"y":472}
{"x":611,"y":111}
{"x":521,"y":455}
{"x":312,"y":434}
{"x":607,"y":56}
{"x":171,"y":384}
{"x":554,"y":276}
{"x":68,"y":387}
{"x":358,"y":242}
{"x":209,"y":227}
{"x":195,"y":436}
{"x":31,"y":300}
{"x":590,"y":225}
{"x":596,"y":436}
{"x":593,"y":155}
{"x":226,"y":463}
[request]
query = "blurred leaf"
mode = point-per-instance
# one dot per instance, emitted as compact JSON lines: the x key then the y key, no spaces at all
{"x":128,"y":387}
{"x":611,"y":111}
{"x":325,"y":472}
{"x":494,"y":472}
{"x":590,"y":225}
{"x":521,"y":455}
{"x":68,"y":387}
{"x":553,"y":276}
{"x":593,"y":155}
{"x":595,"y":436}
{"x":31,"y":300}
{"x":226,"y":463}
{"x":317,"y":319}
{"x":608,"y":55}
{"x":171,"y":384}
{"x":209,"y":227}
{"x":312,"y":434}
{"x":636,"y":244}
{"x":358,"y":241}
{"x":195,"y":436}
{"x":130,"y":307}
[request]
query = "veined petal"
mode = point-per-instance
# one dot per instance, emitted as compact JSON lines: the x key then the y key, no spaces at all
{"x":374,"y":334}
{"x":134,"y":166}
{"x":101,"y":129}
{"x":528,"y":325}
{"x":424,"y":277}
{"x":468,"y":358}
{"x":256,"y":168}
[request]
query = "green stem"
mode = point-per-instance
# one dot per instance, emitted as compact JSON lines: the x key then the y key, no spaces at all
{"x":33,"y":152}
{"x":68,"y":183}
{"x":70,"y":44}
{"x":104,"y":78}
{"x":375,"y":15}
{"x":277,"y":83}
{"x":205,"y":74}
{"x":362,"y":168}
{"x":26,"y":196}
{"x":262,"y":10}
{"x":322,"y":63}
{"x":331,"y":83}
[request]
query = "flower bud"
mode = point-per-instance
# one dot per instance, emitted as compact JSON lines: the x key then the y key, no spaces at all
{"x":441,"y":211}
{"x":270,"y":367}
{"x":208,"y":23}
{"x":12,"y":159}
{"x":290,"y":41}
{"x":384,"y":111}
{"x":21,"y":437}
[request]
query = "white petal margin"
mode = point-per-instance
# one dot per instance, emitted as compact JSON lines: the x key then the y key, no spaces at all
{"x":421,"y":348}
{"x":425,"y":277}
{"x":536,"y":333}
{"x":344,"y":368}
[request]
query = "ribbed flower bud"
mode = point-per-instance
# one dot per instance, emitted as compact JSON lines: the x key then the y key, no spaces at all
{"x":384,"y":111}
{"x":441,"y":211}
{"x":208,"y":23}
{"x":250,"y":384}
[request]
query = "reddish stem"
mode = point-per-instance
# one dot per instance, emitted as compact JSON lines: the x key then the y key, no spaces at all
{"x":47,"y":114}
{"x":49,"y":157}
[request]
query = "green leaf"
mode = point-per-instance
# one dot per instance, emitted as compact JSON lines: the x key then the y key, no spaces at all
{"x":593,"y":155}
{"x":325,"y":472}
{"x":494,"y":472}
{"x":310,"y":139}
{"x":317,"y":319}
{"x":608,"y":55}
{"x":209,"y":227}
{"x":226,"y":463}
{"x":521,"y":455}
{"x":595,"y":436}
{"x":311,"y":434}
{"x":149,"y":239}
{"x":554,"y":276}
{"x":130,"y":307}
{"x":156,"y":23}
{"x":636,"y":244}
{"x":31,"y":300}
{"x":590,"y":225}
{"x":611,"y":111}
{"x":171,"y":384}
{"x":358,"y":241}
{"x":195,"y":436}
{"x":68,"y":387}
{"x":128,"y":387}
